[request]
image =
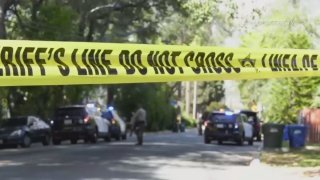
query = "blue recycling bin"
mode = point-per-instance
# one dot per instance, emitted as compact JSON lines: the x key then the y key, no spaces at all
{"x":286,"y":133}
{"x":297,"y":135}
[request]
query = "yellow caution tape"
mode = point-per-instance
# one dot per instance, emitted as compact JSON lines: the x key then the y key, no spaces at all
{"x":63,"y":63}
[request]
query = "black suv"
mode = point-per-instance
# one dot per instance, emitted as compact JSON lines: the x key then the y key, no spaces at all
{"x":73,"y":123}
{"x":228,"y":126}
{"x":23,"y":131}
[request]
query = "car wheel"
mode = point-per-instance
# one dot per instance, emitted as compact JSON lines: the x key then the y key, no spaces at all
{"x":74,"y":141}
{"x":107,"y":138}
{"x":117,"y":137}
{"x":220,"y":142}
{"x":26,"y":141}
{"x":250,"y":142}
{"x":56,"y":141}
{"x":240,"y":142}
{"x":124,"y":136}
{"x":46,"y":140}
{"x":94,"y":137}
{"x":207,"y":140}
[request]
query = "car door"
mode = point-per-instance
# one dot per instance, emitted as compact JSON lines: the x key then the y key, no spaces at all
{"x":43,"y":128}
{"x":102,"y":125}
{"x":120,"y":121}
{"x":103,"y":128}
{"x":34,"y":130}
{"x":248,"y":129}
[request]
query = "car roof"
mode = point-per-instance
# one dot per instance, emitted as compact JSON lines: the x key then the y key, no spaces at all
{"x":248,"y":112}
{"x":72,"y":106}
{"x":224,"y":113}
{"x":22,"y":117}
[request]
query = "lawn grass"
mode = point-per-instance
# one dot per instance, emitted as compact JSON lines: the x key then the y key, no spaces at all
{"x":308,"y":157}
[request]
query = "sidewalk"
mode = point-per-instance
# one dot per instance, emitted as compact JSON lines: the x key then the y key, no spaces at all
{"x":265,"y":171}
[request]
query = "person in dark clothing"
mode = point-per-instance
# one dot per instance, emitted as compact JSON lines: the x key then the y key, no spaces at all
{"x":139,"y":122}
{"x":201,"y":121}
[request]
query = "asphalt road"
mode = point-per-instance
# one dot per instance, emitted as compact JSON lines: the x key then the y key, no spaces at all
{"x":164,"y":155}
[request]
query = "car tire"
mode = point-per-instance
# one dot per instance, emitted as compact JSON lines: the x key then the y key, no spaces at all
{"x":107,"y":138}
{"x":94,"y":137}
{"x":26,"y":141}
{"x":124,"y":136}
{"x":207,"y":140}
{"x":56,"y":141}
{"x":117,"y":137}
{"x":250,"y":142}
{"x":220,"y":142}
{"x":46,"y":140}
{"x":74,"y":141}
{"x":240,"y":141}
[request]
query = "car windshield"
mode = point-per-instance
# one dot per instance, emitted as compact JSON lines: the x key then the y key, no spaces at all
{"x":13,"y":122}
{"x":222,"y":118}
{"x":72,"y":111}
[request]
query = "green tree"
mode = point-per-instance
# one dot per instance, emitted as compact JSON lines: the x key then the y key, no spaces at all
{"x":154,"y":98}
{"x":282,"y":98}
{"x":141,"y":21}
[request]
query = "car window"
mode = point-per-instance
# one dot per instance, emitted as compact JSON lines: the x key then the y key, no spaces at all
{"x":239,"y":119}
{"x":41,"y":123}
{"x":31,"y":121}
{"x":222,"y":117}
{"x":244,"y":118}
{"x":72,"y":111}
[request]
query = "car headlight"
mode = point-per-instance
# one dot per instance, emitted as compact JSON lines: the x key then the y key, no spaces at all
{"x":16,"y":133}
{"x":236,"y":126}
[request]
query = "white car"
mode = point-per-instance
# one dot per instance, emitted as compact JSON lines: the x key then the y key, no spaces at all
{"x":118,"y":125}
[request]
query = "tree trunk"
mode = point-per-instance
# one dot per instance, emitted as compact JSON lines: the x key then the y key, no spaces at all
{"x":111,"y":92}
{"x":3,"y":33}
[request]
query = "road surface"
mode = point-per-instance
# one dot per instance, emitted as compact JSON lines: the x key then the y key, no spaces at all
{"x":165,"y":155}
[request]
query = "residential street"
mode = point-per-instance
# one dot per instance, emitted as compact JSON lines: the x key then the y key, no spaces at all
{"x":164,"y":156}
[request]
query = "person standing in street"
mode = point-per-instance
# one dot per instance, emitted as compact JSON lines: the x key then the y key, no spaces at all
{"x":139,"y":122}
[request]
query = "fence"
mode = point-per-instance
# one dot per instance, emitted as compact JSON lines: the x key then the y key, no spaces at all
{"x":311,"y":118}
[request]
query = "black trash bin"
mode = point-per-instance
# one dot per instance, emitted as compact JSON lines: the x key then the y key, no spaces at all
{"x":272,"y":135}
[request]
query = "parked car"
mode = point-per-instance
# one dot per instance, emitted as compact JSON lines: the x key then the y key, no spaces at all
{"x":255,"y":121}
{"x":76,"y":122}
{"x":24,"y":130}
{"x":228,"y":126}
{"x":118,"y":127}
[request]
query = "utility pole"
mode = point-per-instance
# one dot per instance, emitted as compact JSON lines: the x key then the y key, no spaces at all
{"x":194,"y":107}
{"x":187,"y":96}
